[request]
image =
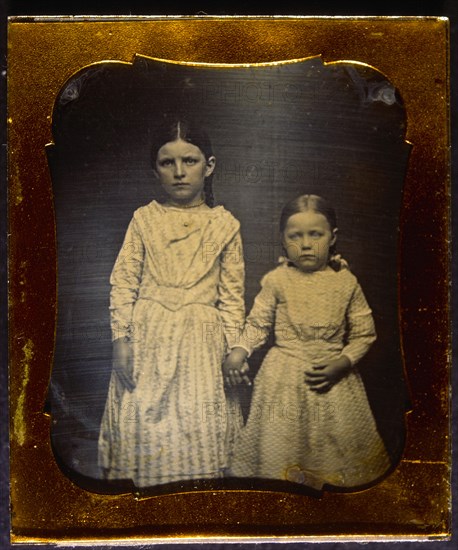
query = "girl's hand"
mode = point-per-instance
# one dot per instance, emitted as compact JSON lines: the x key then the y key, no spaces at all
{"x":321,"y":378}
{"x":123,"y":363}
{"x":235,"y":368}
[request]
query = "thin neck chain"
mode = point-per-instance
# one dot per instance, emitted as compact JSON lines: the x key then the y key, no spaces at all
{"x":188,"y":206}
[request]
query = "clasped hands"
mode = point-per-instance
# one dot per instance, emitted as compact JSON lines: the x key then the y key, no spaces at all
{"x":321,"y":378}
{"x":235,"y":368}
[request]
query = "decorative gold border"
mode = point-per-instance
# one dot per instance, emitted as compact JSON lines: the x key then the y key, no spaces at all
{"x":413,"y":502}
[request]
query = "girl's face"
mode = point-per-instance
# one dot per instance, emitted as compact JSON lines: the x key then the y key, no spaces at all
{"x":182,"y":168}
{"x":307,"y":239}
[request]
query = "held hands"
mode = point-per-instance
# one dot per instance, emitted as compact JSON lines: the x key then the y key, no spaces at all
{"x":321,"y":378}
{"x":235,"y":368}
{"x":123,"y":363}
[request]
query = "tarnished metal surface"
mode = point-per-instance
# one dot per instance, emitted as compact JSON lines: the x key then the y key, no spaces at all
{"x":413,"y":502}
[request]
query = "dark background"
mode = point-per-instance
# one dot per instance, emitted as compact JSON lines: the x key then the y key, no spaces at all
{"x":447,"y":8}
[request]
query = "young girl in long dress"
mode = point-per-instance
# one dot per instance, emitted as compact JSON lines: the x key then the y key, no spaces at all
{"x":177,"y":303}
{"x":310,"y":421}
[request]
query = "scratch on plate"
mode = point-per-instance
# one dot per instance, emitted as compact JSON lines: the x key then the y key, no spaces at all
{"x":19,"y":422}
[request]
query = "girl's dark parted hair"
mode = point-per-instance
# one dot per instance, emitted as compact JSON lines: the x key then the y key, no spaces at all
{"x":175,"y":127}
{"x":320,"y":205}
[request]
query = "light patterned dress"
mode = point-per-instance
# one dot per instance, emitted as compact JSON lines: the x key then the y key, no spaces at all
{"x":178,"y":296}
{"x":292,"y":432}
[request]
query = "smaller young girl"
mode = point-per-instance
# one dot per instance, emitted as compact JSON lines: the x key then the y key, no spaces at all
{"x":310,"y":421}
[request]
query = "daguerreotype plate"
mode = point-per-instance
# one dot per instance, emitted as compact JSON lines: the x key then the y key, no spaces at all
{"x":167,"y":176}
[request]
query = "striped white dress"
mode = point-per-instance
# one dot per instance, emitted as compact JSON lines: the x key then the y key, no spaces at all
{"x":292,"y":432}
{"x":178,"y":294}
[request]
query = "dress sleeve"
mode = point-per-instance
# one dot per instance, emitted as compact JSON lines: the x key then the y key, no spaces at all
{"x":125,"y":282}
{"x":261,"y":318}
{"x":360,"y":327}
{"x":231,"y":290}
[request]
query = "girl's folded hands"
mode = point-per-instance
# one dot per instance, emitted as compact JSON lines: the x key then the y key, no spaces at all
{"x":321,"y":378}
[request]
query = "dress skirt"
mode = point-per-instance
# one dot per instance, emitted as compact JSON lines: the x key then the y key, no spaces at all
{"x":177,"y":423}
{"x":296,"y":434}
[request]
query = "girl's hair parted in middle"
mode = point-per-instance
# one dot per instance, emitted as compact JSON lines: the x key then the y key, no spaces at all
{"x":314,"y":203}
{"x":173,"y":128}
